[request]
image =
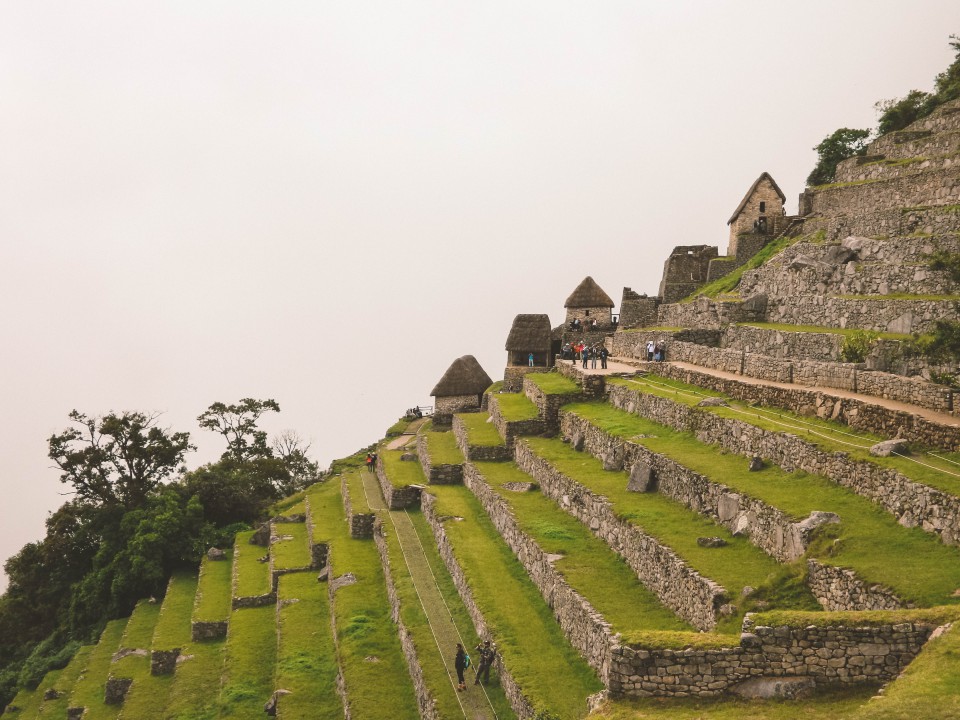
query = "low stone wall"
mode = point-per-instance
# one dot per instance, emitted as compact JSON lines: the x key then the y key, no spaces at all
{"x":513,"y":376}
{"x":840,"y":589}
{"x":478,"y":453}
{"x":164,"y":662}
{"x":767,"y":368}
{"x":691,"y":596}
{"x":825,"y":374}
{"x":912,"y":503}
{"x":202,"y":630}
{"x":396,"y":498}
{"x":510,"y":430}
{"x":708,"y":314}
{"x":361,"y":524}
{"x":437,"y":474}
{"x":768,"y":528}
{"x":518,"y":701}
{"x":782,"y":344}
{"x":831,"y":654}
{"x":549,"y":405}
{"x":718,"y":358}
{"x":906,"y":389}
{"x":879,"y":314}
{"x":583,"y":626}
{"x":634,"y":344}
{"x":591,"y":386}
{"x":425,"y":701}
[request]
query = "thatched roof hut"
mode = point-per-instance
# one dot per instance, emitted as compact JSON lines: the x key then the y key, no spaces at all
{"x":588,"y":295}
{"x":463,"y":377}
{"x":529,"y":333}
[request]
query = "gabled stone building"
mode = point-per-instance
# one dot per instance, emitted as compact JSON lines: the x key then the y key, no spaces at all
{"x":758,"y":217}
{"x":459,"y":390}
{"x":589,"y":303}
{"x":529,"y":334}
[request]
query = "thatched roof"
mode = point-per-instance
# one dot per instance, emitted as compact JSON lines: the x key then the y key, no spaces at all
{"x":588,"y":295}
{"x":746,"y":198}
{"x":529,"y":332}
{"x":463,"y":377}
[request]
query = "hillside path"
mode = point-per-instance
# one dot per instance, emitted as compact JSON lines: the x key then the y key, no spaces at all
{"x":473,"y":701}
{"x":408,"y":436}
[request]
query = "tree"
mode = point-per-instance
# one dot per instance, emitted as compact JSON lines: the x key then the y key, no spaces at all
{"x":897,"y":113}
{"x":117,"y":459}
{"x":238,"y":424}
{"x":842,"y":144}
{"x":292,"y":450}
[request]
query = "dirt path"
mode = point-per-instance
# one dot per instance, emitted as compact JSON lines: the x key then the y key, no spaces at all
{"x":472,"y":701}
{"x":408,"y":437}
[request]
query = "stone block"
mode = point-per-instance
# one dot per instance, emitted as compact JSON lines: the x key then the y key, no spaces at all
{"x":641,"y":478}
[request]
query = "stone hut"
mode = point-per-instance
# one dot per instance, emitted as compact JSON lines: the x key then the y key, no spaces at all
{"x":528,"y":334}
{"x":460,"y":389}
{"x":758,"y":217}
{"x":588,"y":303}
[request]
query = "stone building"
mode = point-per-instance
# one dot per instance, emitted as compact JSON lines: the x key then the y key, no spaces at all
{"x":637,"y":310}
{"x":459,"y":390}
{"x":685,"y":270}
{"x":588,"y":303}
{"x":758,"y":217}
{"x":528,"y":334}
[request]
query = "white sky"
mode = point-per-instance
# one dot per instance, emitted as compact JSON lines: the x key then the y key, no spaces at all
{"x":326,"y":203}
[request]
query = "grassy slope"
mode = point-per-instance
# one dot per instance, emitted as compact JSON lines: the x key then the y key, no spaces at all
{"x":358,"y":498}
{"x":735,"y":566}
{"x":549,"y":670}
{"x":212,"y":602}
{"x":63,"y":681}
{"x":251,"y":653}
{"x":480,"y":431}
{"x":402,"y":473}
{"x":442,"y":448}
{"x":380,"y":687}
{"x":193,"y":694}
{"x":516,"y":407}
{"x":554,"y":383}
{"x":88,"y":692}
{"x":250,"y":576}
{"x":935,"y":568}
{"x":306,"y":656}
{"x":293,"y":552}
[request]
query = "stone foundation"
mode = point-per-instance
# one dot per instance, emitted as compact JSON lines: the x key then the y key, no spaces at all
{"x":202,"y":630}
{"x":513,"y":376}
{"x":164,"y":662}
{"x":549,"y":405}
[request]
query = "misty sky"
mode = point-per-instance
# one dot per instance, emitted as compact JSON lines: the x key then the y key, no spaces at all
{"x":325,"y":203}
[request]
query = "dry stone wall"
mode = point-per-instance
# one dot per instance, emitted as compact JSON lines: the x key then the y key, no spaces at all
{"x":396,"y":498}
{"x":679,"y":587}
{"x":840,"y":589}
{"x":912,"y":503}
{"x":513,"y":376}
{"x":360,"y":524}
{"x":548,"y":406}
{"x":437,"y":474}
{"x":510,"y":430}
{"x":768,"y":528}
{"x":478,"y":453}
{"x":783,"y":345}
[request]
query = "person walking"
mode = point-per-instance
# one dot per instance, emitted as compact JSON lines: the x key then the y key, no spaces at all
{"x":461,"y":663}
{"x":650,"y":346}
{"x":585,"y":354}
{"x":486,"y":660}
{"x":594,"y":354}
{"x":530,"y":359}
{"x":603,"y":357}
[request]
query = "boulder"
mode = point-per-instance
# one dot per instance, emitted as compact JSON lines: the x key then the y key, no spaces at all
{"x":711,"y":542}
{"x":613,"y":460}
{"x":712,"y":402}
{"x":216,"y":554}
{"x":641,"y":478}
{"x":840,"y":255}
{"x":804,"y":262}
{"x":853,"y":243}
{"x":767,"y":688}
{"x":888,"y":447}
{"x":728,"y":506}
{"x":756,"y":463}
{"x":408,"y":457}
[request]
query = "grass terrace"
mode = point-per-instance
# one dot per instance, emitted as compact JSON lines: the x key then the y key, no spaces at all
{"x":250,"y":576}
{"x":292,"y":505}
{"x":533,"y":647}
{"x":783,"y":327}
{"x":358,"y":496}
{"x":381,"y":688}
{"x":212,"y":602}
{"x":442,"y":448}
{"x":398,"y":428}
{"x":63,"y":681}
{"x":26,"y":703}
{"x":402,"y":473}
{"x":251,"y":653}
{"x":827,"y":435}
{"x":587,"y":563}
{"x":736,"y":565}
{"x":88,"y":691}
{"x":515,"y":407}
{"x":554,"y":383}
{"x":480,"y":430}
{"x":194,"y":692}
{"x":935,"y":567}
{"x":292,"y":551}
{"x":306,"y":656}
{"x":495,"y":388}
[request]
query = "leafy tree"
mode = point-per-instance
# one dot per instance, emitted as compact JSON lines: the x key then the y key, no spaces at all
{"x":292,"y":450}
{"x":231,"y":491}
{"x":840,"y":145}
{"x":238,"y":424}
{"x":897,"y":113}
{"x":117,"y":459}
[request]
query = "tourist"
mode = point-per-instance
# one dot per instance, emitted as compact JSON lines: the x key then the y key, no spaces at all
{"x":659,"y":351}
{"x":603,"y":357}
{"x":650,"y":347}
{"x":369,"y":462}
{"x":585,"y":355}
{"x":486,"y":660}
{"x":461,"y":663}
{"x":594,"y":354}
{"x":530,"y":359}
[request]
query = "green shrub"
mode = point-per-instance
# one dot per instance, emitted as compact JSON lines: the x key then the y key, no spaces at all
{"x":943,"y":260}
{"x":857,"y":345}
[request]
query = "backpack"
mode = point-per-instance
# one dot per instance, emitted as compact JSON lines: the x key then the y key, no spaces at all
{"x":466,"y":661}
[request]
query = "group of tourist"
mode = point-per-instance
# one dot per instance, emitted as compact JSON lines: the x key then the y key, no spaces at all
{"x":656,"y":351}
{"x":462,"y":661}
{"x":586,"y":353}
{"x":577,"y":324}
{"x":371,"y":461}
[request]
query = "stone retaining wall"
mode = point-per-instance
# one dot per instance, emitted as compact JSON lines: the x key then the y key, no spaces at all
{"x":425,"y":701}
{"x":634,"y":344}
{"x":549,"y":405}
{"x":877,"y":313}
{"x":437,"y":474}
{"x":912,"y":503}
{"x":202,"y":630}
{"x":513,"y":376}
{"x":840,"y":589}
{"x":782,"y":344}
{"x":478,"y":453}
{"x":510,"y":430}
{"x":707,"y":314}
{"x":396,"y":498}
{"x":691,"y":596}
{"x":915,"y":391}
{"x":768,"y":528}
{"x":584,"y":627}
{"x":518,"y":701}
{"x":591,"y":386}
{"x":361,"y":524}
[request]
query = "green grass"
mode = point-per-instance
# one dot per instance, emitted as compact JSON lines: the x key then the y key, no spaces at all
{"x":194,"y":690}
{"x":214,"y":590}
{"x":88,"y":691}
{"x":62,"y":681}
{"x":587,"y":563}
{"x":860,"y":618}
{"x":358,"y":498}
{"x":137,"y":635}
{"x":516,"y":407}
{"x":737,"y":565}
{"x":250,"y":576}
{"x":398,"y":428}
{"x":374,"y":669}
{"x":442,"y":448}
{"x":827,"y":704}
{"x":480,"y":431}
{"x":784,"y":327}
{"x":534,"y":649}
{"x":554,"y":383}
{"x":495,"y":388}
{"x":26,"y":703}
{"x":929,"y":689}
{"x":838,"y":436}
{"x":402,"y":473}
{"x":934,"y":567}
{"x":291,"y":505}
{"x":306,"y":656}
{"x":251,"y":653}
{"x":293,"y":553}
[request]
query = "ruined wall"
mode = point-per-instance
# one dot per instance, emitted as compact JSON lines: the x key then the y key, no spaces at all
{"x":637,"y":310}
{"x":513,"y":376}
{"x":685,"y":270}
{"x":360,"y":524}
{"x":840,"y":589}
